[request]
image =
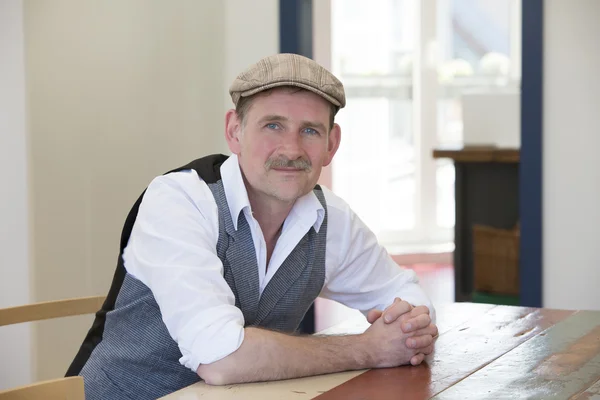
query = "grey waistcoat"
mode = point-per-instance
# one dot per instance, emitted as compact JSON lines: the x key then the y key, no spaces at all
{"x":129,"y":353}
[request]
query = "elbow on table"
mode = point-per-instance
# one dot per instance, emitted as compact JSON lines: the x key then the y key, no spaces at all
{"x":225,"y":371}
{"x":213,"y":375}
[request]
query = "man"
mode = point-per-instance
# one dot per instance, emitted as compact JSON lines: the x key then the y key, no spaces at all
{"x":221,"y":259}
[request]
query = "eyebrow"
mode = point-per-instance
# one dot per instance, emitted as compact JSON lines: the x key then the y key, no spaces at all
{"x":272,"y":117}
{"x":304,"y":124}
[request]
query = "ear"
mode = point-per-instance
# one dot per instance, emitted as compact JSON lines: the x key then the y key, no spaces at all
{"x":333,"y":143}
{"x":233,"y":131}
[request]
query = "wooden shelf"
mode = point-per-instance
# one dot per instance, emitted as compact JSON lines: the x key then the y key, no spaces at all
{"x":478,"y":154}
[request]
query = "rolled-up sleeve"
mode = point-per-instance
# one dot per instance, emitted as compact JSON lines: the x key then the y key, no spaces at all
{"x":360,"y":273}
{"x":172,"y":250}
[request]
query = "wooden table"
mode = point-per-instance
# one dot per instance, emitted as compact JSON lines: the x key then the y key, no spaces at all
{"x":483,"y":352}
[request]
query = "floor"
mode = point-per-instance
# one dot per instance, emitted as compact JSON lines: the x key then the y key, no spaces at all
{"x":436,"y":279}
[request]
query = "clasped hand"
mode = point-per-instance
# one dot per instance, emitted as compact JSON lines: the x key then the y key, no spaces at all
{"x":417,"y":335}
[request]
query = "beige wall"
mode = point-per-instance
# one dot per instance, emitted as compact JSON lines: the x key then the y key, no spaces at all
{"x":251,"y":32}
{"x":571,"y":165}
{"x":118,"y":92}
{"x":15,"y":354}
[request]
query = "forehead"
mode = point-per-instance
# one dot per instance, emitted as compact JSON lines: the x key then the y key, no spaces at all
{"x":290,"y":102}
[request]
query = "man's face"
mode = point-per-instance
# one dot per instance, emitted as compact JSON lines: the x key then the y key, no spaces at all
{"x":283,"y":143}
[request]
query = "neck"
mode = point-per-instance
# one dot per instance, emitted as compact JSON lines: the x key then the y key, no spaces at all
{"x":270,"y":214}
{"x":268,"y":211}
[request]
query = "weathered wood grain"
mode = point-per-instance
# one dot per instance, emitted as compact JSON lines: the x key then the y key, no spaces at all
{"x":558,"y":363}
{"x":459,"y":352}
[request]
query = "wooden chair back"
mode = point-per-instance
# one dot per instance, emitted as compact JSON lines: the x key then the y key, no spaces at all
{"x":70,"y":388}
{"x":50,"y":309}
{"x":59,"y":389}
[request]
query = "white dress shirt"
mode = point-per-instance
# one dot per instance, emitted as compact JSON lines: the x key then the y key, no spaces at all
{"x":172,"y":250}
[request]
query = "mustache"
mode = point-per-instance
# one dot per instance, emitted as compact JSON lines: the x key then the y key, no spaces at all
{"x":284,"y":162}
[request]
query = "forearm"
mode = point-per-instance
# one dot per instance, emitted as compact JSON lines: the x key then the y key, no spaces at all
{"x":267,"y":355}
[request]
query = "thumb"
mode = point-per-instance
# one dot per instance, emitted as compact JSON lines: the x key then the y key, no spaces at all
{"x":374,"y":315}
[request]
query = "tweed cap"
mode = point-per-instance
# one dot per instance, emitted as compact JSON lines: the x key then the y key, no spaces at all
{"x":288,"y":70}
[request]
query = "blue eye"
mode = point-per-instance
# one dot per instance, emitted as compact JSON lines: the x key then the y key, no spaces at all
{"x":272,"y":126}
{"x":311,"y":131}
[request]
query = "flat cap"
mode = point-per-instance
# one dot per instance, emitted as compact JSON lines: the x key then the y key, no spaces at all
{"x":288,"y":70}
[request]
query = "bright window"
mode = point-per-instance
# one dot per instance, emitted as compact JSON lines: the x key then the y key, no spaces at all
{"x":405,"y":64}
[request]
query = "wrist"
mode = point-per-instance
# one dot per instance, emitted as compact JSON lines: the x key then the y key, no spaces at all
{"x":362,"y":350}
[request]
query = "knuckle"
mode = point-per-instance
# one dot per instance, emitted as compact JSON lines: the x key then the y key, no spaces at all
{"x":404,"y":317}
{"x":423,"y":321}
{"x":425,"y":341}
{"x":423,"y":309}
{"x":429,"y":340}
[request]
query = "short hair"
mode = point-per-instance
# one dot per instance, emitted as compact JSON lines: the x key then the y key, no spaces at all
{"x":245,"y":103}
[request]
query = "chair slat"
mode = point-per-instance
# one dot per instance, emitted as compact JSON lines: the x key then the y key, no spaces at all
{"x":58,"y":389}
{"x":50,"y":309}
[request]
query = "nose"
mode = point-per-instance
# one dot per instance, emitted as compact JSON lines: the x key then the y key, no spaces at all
{"x":291,"y":146}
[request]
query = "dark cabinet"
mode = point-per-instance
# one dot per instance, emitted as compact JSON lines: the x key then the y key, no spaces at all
{"x":486,"y":193}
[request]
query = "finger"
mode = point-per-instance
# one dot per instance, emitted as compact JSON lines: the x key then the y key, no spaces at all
{"x":432,"y":330}
{"x":427,"y":350}
{"x":420,"y":310}
{"x":418,"y":342}
{"x":386,"y":318}
{"x":416,"y":323}
{"x":396,"y":300}
{"x":374,"y":315}
{"x":398,"y":308}
{"x":415,"y":312}
{"x":417,"y":359}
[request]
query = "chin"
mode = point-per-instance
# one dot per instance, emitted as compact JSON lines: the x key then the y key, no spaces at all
{"x":287,"y":198}
{"x":288,"y":194}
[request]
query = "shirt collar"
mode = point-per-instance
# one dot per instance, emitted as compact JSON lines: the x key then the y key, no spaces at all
{"x":307,"y":208}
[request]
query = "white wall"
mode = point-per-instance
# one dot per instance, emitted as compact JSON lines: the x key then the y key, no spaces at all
{"x":117,"y":92}
{"x":16,"y":363}
{"x":571,"y":126}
